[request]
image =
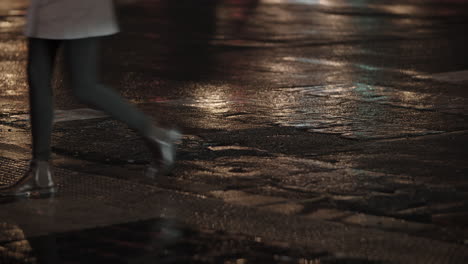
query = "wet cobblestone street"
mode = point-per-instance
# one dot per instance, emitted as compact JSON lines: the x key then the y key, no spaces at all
{"x":314,"y":132}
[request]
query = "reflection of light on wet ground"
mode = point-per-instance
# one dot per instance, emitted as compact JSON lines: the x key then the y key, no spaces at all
{"x":12,"y":231}
{"x":213,"y":100}
{"x":401,"y":9}
{"x":454,"y":77}
{"x":9,"y":80}
{"x":405,"y":10}
{"x":12,"y":47}
{"x":17,"y":12}
{"x":303,"y":2}
{"x":390,"y":8}
{"x":218,"y":99}
{"x":409,"y":99}
{"x":282,"y":68}
{"x":12,"y":92}
{"x":353,"y":111}
{"x":13,"y":88}
{"x":156,"y":99}
{"x":4,"y":24}
{"x":316,"y":61}
{"x":353,"y":65}
{"x":12,"y":23}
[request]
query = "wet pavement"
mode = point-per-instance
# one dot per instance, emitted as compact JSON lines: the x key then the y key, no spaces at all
{"x":315,"y":132}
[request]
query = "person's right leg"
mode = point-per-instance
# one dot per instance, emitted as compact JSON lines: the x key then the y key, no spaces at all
{"x":81,"y":64}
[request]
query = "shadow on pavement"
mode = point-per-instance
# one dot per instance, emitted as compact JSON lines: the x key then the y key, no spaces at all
{"x":156,"y":240}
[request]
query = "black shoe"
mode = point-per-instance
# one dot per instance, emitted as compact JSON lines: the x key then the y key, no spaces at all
{"x":37,"y":182}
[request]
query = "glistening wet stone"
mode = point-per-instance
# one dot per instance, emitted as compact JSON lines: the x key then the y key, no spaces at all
{"x":328,"y":109}
{"x":155,"y":241}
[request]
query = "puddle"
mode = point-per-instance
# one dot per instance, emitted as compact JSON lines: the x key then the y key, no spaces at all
{"x":151,"y":241}
{"x":343,"y":64}
{"x":359,"y":110}
{"x":67,"y":115}
{"x":302,"y":2}
{"x":224,"y":148}
{"x":355,"y":111}
{"x":451,"y":77}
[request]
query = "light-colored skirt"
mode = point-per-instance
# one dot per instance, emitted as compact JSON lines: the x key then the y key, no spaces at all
{"x":70,"y":19}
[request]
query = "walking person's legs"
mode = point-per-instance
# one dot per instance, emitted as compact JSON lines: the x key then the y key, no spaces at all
{"x":81,"y":65}
{"x":81,"y":62}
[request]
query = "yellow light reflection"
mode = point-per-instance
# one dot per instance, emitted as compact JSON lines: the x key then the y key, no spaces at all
{"x":213,"y":99}
{"x":220,"y":99}
{"x":401,"y":9}
{"x":4,"y":24}
{"x":17,"y":12}
{"x":303,"y":2}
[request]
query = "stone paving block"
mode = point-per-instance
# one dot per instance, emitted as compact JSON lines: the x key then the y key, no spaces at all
{"x":284,"y":208}
{"x":386,"y":223}
{"x":275,"y":204}
{"x":328,"y":214}
{"x":86,"y":201}
{"x":243,"y":198}
{"x":451,"y":218}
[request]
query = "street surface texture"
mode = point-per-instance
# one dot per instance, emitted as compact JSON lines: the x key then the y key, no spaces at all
{"x":315,"y":131}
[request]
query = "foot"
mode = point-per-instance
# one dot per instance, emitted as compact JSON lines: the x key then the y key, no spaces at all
{"x":36,"y":182}
{"x":163,"y":148}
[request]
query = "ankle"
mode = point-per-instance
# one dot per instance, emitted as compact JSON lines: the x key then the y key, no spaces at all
{"x":157,"y":133}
